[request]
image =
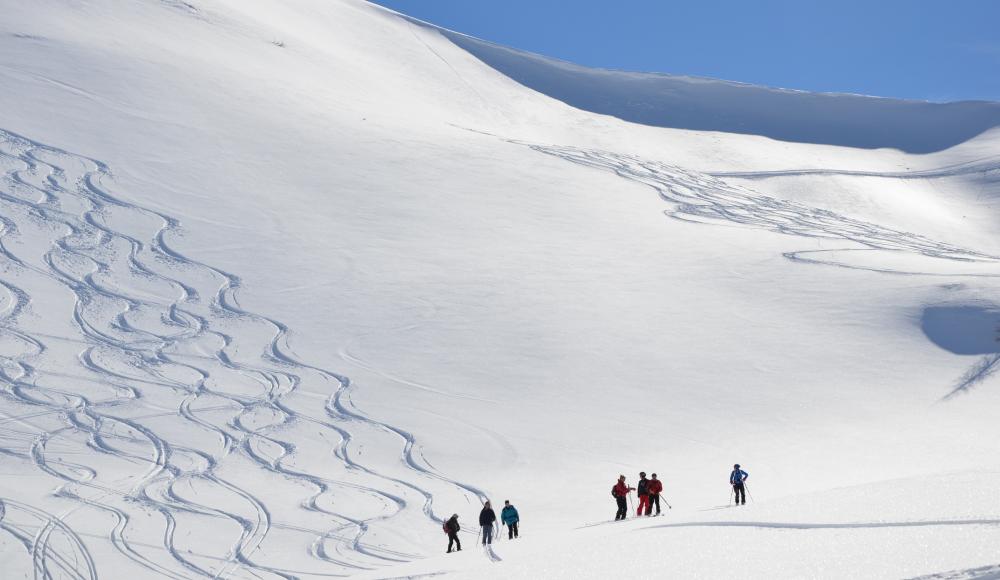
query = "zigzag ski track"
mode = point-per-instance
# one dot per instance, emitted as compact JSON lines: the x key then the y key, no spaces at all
{"x":152,"y":427}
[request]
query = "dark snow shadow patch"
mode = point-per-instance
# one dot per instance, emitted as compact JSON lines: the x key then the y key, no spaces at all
{"x":702,"y":104}
{"x":965,"y":330}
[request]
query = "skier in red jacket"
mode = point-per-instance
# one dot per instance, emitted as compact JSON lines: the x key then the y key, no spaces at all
{"x":620,"y":492}
{"x":654,"y":488}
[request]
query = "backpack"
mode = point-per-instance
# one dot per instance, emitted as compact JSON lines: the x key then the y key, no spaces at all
{"x":444,"y":526}
{"x":614,"y":492}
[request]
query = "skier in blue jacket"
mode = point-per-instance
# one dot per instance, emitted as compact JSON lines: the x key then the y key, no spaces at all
{"x":509,"y":517}
{"x":736,"y":479}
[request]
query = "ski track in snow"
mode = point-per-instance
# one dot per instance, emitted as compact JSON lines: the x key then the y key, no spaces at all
{"x":984,"y":165}
{"x":827,"y":526}
{"x":708,"y":199}
{"x":980,"y":573}
{"x":982,"y":370}
{"x":139,"y":405}
{"x":705,"y":198}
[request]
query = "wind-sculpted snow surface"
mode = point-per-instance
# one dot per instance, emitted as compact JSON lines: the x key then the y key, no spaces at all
{"x":702,"y":198}
{"x":152,"y":426}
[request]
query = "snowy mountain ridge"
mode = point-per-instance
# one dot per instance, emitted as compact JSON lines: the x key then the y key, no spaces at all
{"x":705,"y":104}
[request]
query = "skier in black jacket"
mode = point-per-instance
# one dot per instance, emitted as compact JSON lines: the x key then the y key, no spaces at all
{"x":452,"y":528}
{"x":643,"y":490}
{"x":486,"y":519}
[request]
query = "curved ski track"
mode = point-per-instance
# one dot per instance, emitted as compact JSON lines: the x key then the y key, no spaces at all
{"x":163,"y":413}
{"x":706,"y":198}
{"x":984,"y":166}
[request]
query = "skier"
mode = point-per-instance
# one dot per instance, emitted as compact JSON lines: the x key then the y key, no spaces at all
{"x":487,"y":518}
{"x":452,"y":528}
{"x":620,"y":492}
{"x":655,"y":487}
{"x":509,"y":517}
{"x":736,"y":479}
{"x":643,"y":491}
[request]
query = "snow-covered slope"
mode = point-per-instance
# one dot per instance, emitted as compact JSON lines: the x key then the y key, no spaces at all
{"x":288,"y":282}
{"x":714,"y":105}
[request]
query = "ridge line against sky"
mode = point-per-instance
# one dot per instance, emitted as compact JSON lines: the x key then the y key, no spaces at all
{"x":925,"y":50}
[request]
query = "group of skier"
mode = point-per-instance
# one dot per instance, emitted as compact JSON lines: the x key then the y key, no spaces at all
{"x":649,"y":491}
{"x":487,"y":520}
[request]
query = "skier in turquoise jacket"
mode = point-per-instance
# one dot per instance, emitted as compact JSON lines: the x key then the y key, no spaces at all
{"x":509,"y":517}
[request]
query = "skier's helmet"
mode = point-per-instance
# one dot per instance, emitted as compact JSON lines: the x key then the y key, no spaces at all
{"x":737,"y":466}
{"x":642,"y":474}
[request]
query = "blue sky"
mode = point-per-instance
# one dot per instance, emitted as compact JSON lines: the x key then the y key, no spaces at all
{"x":922,"y":49}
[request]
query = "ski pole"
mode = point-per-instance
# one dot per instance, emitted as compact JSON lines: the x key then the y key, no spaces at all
{"x":747,"y":489}
{"x":669,"y":507}
{"x":732,"y":490}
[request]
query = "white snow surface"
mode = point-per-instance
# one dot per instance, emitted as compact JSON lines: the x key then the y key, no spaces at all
{"x":285,"y":283}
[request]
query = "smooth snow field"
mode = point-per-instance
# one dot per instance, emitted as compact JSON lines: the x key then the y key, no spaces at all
{"x":284,"y":283}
